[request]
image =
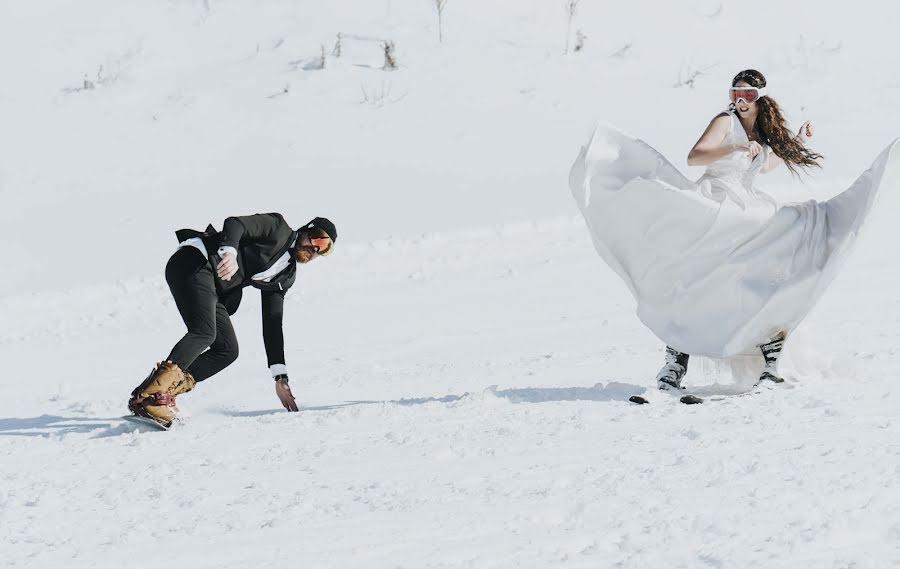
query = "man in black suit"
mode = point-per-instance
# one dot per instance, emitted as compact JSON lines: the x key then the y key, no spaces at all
{"x":207,"y":275}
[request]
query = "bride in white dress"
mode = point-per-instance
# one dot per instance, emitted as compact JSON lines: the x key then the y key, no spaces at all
{"x":718,"y":268}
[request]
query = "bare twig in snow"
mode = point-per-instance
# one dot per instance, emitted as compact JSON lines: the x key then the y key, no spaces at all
{"x":100,"y":79}
{"x":285,"y":91}
{"x":688,"y":75}
{"x":579,"y":41}
{"x":376,"y":98}
{"x":87,"y":84}
{"x":379,"y":97}
{"x":440,"y":4}
{"x":623,"y":52}
{"x":390,"y":60}
{"x":571,"y":9}
{"x":836,"y":48}
{"x":811,"y":58}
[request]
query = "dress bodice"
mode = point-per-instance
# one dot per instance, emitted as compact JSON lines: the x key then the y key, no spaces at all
{"x":737,"y":166}
{"x":731,"y":178}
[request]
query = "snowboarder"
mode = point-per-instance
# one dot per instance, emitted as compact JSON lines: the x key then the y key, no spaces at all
{"x":718,"y":268}
{"x":206,"y":275}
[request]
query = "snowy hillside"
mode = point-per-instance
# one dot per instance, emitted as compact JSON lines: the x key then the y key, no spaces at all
{"x":463,"y":361}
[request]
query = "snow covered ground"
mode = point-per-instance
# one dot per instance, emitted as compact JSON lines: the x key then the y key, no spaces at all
{"x":464,"y":358}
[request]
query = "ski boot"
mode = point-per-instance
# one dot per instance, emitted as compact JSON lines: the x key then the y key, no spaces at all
{"x":770,"y":352}
{"x":671,"y":374}
{"x":154,"y":398}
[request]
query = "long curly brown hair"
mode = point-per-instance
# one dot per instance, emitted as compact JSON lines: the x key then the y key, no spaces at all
{"x":772,"y":128}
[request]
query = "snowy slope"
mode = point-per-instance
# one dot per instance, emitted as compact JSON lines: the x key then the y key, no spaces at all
{"x":464,"y":358}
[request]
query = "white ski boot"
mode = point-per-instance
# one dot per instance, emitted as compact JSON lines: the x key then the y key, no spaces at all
{"x":770,"y":352}
{"x":671,"y":374}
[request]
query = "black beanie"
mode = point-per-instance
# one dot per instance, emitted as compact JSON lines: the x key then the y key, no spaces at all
{"x":323,"y":223}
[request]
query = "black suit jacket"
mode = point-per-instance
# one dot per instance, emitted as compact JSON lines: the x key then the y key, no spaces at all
{"x":260,"y":240}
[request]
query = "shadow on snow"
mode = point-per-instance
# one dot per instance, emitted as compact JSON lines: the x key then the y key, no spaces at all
{"x":613,"y":391}
{"x":47,"y":425}
{"x":56,"y":425}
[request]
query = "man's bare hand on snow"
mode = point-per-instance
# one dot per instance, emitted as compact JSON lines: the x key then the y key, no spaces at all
{"x":283,"y":390}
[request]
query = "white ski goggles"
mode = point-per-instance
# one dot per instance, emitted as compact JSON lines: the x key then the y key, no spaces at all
{"x":748,"y":94}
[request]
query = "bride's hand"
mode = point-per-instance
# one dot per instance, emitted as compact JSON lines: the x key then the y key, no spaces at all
{"x":751,"y":148}
{"x":806,"y":131}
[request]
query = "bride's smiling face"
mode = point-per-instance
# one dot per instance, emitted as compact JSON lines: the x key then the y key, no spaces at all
{"x":743,"y":107}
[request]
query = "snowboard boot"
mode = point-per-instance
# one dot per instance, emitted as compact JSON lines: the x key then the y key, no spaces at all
{"x":671,"y":374}
{"x":155,"y":397}
{"x":770,"y":352}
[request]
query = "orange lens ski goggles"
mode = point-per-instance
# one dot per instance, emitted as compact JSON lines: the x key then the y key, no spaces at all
{"x":748,"y":94}
{"x":321,"y":241}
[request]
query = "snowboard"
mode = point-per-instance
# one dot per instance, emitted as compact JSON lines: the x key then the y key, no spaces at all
{"x":150,"y":424}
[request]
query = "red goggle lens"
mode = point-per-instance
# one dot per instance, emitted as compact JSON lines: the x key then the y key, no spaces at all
{"x":748,"y":95}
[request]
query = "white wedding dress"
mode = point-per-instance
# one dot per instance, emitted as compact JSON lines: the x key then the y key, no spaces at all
{"x":717,"y":267}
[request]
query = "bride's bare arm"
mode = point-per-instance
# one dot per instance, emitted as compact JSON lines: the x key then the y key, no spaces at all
{"x":805,"y":133}
{"x":711,"y":145}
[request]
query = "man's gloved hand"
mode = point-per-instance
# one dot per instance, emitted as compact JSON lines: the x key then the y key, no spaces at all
{"x":283,"y":390}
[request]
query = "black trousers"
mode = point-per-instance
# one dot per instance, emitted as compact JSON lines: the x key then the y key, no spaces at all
{"x":210,"y":344}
